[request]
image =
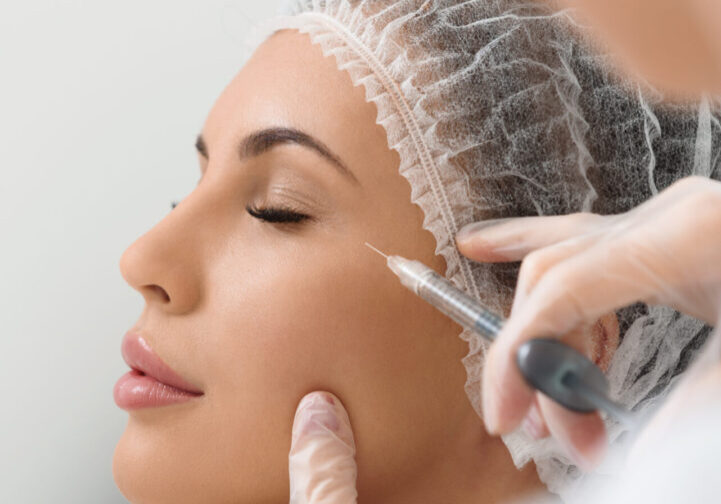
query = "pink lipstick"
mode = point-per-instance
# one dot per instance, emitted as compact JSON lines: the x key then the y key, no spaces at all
{"x":150,"y":382}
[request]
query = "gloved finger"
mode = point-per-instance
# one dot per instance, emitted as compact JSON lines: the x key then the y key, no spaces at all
{"x":579,"y":289}
{"x":505,"y":402}
{"x":697,"y":393}
{"x":505,"y":240}
{"x":582,"y":435}
{"x":597,"y":342}
{"x":321,"y":462}
{"x":538,"y":262}
{"x":585,"y":286}
{"x":511,"y":239}
{"x":506,"y":396}
{"x":651,"y":254}
{"x":576,"y":292}
{"x":533,"y":424}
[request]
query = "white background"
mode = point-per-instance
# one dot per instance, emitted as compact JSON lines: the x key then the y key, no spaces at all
{"x":100,"y":102}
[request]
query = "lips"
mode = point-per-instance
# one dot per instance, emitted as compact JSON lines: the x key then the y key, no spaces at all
{"x":151,"y":382}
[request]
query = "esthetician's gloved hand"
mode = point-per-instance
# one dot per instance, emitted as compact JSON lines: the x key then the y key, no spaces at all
{"x":685,"y":430}
{"x":575,"y":269}
{"x":322,"y":455}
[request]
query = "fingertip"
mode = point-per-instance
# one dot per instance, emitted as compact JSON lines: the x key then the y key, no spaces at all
{"x":321,"y":460}
{"x":321,"y":413}
{"x":582,"y":435}
{"x":479,"y":249}
{"x":314,"y":415}
{"x":533,"y":423}
{"x":506,"y":397}
{"x":475,"y":229}
{"x":488,"y":404}
{"x":316,"y":399}
{"x":591,"y":448}
{"x":483,"y":241}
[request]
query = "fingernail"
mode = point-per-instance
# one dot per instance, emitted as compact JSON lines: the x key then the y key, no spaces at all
{"x":470,"y":230}
{"x":532,"y":423}
{"x":315,"y":415}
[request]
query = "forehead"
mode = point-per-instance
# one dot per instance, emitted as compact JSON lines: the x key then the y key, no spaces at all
{"x":288,"y":82}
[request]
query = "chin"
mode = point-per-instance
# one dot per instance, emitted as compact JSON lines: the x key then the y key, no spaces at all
{"x":149,"y":470}
{"x":158,"y":462}
{"x":133,"y":472}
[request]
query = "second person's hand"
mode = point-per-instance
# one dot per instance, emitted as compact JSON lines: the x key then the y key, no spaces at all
{"x":577,"y":268}
{"x":321,"y":462}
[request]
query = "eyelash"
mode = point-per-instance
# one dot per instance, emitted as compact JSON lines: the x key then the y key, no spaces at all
{"x":273,"y":215}
{"x":277,"y":215}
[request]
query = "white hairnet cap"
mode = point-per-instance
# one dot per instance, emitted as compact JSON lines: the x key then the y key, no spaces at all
{"x":498,"y":109}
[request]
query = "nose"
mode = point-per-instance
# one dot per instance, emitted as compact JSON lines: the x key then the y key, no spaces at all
{"x":164,"y":265}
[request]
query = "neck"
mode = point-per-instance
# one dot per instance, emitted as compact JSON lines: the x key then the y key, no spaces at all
{"x":476,"y":469}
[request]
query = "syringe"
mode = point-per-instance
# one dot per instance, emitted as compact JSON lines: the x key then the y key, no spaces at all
{"x":551,"y":367}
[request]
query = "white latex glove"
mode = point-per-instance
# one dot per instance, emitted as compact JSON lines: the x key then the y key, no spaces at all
{"x":695,"y":401}
{"x":321,"y":462}
{"x":675,"y":458}
{"x":577,"y":268}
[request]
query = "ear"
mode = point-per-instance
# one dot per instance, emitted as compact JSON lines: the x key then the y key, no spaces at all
{"x":605,"y":337}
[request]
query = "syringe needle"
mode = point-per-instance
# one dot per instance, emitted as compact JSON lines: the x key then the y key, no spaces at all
{"x":375,"y":249}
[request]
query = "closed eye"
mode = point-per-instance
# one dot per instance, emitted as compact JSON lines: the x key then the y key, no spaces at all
{"x":278,"y":215}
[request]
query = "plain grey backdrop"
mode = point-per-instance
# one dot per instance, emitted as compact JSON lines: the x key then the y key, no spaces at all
{"x":100,"y":102}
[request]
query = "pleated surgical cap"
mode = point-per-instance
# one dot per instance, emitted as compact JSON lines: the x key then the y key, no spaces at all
{"x":499,"y":108}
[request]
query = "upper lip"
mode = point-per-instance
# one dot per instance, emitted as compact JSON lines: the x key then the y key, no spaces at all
{"x":139,"y":355}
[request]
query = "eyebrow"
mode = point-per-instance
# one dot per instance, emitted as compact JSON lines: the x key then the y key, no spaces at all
{"x":262,"y":141}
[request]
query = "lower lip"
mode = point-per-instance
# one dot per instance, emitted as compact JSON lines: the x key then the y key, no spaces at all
{"x":135,"y":390}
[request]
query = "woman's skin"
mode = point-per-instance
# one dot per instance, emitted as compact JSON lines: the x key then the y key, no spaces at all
{"x":257,"y":314}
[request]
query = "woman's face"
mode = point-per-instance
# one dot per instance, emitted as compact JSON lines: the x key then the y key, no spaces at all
{"x":257,"y":313}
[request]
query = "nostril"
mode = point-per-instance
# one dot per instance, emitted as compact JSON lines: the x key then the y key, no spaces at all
{"x":157,"y":289}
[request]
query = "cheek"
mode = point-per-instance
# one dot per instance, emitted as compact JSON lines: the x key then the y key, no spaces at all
{"x":292,"y":327}
{"x":350,"y":328}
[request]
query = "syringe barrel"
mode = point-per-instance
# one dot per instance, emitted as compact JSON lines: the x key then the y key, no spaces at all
{"x":442,"y":294}
{"x":459,"y":306}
